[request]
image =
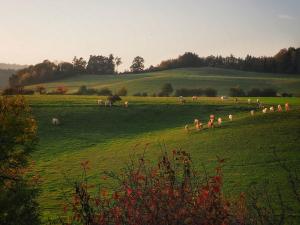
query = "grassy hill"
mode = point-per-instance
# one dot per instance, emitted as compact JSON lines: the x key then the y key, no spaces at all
{"x":220,"y":79}
{"x":108,"y":136}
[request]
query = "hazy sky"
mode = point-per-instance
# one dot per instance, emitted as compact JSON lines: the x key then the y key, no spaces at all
{"x":34,"y":30}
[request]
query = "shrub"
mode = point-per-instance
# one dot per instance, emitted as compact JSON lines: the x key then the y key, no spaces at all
{"x":83,"y":90}
{"x":188,"y":92}
{"x":61,"y":90}
{"x":18,"y":137}
{"x":269,"y":92}
{"x":122,"y":92}
{"x":254,"y":92}
{"x":169,"y":193}
{"x":40,"y":89}
{"x":236,"y":92}
{"x":17,"y":91}
{"x":166,"y":90}
{"x":210,"y":92}
{"x":105,"y":92}
{"x":144,"y":94}
{"x":287,"y":94}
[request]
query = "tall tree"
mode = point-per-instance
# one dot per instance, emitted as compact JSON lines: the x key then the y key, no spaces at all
{"x":18,"y":138}
{"x":137,"y":64}
{"x":118,"y":62}
{"x":101,"y":65}
{"x":79,"y":65}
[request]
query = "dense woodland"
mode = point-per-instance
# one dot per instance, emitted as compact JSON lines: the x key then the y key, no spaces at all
{"x":286,"y":61}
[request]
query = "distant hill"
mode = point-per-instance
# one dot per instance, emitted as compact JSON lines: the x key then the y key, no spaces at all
{"x":6,"y":70}
{"x":4,"y":76}
{"x":204,"y":77}
{"x":8,"y":66}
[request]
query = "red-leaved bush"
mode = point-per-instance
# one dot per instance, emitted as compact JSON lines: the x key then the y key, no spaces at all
{"x":169,"y":193}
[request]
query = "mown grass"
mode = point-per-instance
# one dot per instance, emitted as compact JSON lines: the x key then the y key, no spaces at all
{"x":220,"y":79}
{"x":108,"y":136}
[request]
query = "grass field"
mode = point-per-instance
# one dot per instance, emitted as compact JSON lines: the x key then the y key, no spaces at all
{"x":107,"y":136}
{"x":220,"y":79}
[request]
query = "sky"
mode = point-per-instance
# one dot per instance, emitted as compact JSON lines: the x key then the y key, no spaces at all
{"x":58,"y":30}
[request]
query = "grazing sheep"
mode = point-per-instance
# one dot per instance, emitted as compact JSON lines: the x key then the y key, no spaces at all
{"x":219,"y":121}
{"x":287,"y":106}
{"x":230,"y":117}
{"x":198,"y":126}
{"x":212,"y":118}
{"x":210,"y":124}
{"x":186,"y":128}
{"x":279,"y":108}
{"x":108,"y":103}
{"x":100,"y":102}
{"x":194,"y":98}
{"x":126,"y":104}
{"x":252,"y":112}
{"x":272,"y":109}
{"x":265,"y":110}
{"x":249,"y":101}
{"x":55,"y":121}
{"x":182,"y":101}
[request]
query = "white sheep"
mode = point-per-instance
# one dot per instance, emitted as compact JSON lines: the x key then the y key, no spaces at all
{"x":55,"y":121}
{"x":126,"y":104}
{"x":100,"y":102}
{"x":279,"y":108}
{"x":287,"y":107}
{"x":108,"y":103}
{"x":249,"y":101}
{"x":265,"y":110}
{"x":230,"y":117}
{"x":198,"y":126}
{"x":186,"y":128}
{"x":272,"y":109}
{"x":252,"y":112}
{"x":222,"y":98}
{"x":212,"y":118}
{"x":220,"y":121}
{"x":196,"y":121}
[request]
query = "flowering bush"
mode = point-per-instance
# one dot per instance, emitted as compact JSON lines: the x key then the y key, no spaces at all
{"x":169,"y":193}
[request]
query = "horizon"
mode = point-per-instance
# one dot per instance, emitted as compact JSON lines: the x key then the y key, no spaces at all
{"x":156,"y":31}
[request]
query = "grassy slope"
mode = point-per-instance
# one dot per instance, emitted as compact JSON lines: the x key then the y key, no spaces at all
{"x":107,"y":136}
{"x":219,"y":79}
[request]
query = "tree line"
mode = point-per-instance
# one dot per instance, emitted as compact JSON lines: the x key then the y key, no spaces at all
{"x":285,"y":61}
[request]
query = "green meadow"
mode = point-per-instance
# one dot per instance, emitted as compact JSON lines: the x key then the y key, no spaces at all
{"x":219,"y":79}
{"x":107,"y":137}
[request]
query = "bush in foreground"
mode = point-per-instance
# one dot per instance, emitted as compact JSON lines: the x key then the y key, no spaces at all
{"x":169,"y":193}
{"x":18,"y":137}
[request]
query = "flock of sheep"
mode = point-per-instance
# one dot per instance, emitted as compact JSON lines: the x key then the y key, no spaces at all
{"x":197,"y":123}
{"x":211,"y":122}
